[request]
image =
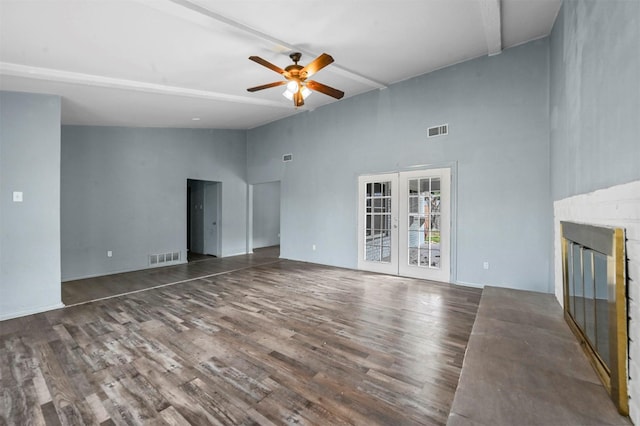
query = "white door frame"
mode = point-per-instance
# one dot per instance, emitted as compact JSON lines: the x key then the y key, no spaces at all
{"x":390,"y":267}
{"x":443,"y":273}
{"x":448,"y":173}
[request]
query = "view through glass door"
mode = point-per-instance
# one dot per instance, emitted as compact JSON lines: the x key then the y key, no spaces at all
{"x":404,"y":224}
{"x":377,"y":230}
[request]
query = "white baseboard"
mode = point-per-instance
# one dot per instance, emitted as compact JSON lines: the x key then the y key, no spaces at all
{"x":121,"y":271}
{"x":31,"y":311}
{"x":467,"y":284}
{"x":233,"y":254}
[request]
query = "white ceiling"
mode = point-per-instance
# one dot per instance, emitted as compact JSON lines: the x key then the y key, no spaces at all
{"x":161,"y":63}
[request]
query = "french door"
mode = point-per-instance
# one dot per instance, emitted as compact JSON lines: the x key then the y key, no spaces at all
{"x":404,"y":223}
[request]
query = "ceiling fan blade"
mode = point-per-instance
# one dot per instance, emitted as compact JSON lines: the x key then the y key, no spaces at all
{"x":323,"y":88}
{"x":267,"y":86}
{"x":267,"y":64}
{"x":316,"y":65}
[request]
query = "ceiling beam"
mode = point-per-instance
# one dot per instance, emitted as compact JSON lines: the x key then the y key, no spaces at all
{"x":49,"y":74}
{"x":202,"y":11}
{"x":490,"y":10}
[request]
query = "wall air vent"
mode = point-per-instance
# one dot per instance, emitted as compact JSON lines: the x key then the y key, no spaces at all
{"x":287,"y":157}
{"x":164,"y":258}
{"x":441,"y":130}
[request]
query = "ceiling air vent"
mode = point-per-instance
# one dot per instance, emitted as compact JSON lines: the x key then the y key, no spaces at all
{"x":287,"y":157}
{"x":441,"y":130}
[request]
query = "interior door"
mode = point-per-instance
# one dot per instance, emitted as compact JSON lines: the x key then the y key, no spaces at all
{"x":378,"y":223}
{"x":210,"y":218}
{"x":404,"y":225}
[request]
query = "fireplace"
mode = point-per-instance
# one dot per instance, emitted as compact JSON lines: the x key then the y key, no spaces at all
{"x":595,"y":301}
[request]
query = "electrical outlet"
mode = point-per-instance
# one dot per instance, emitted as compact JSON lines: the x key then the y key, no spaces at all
{"x":485,"y":265}
{"x":109,"y":253}
{"x":313,"y":247}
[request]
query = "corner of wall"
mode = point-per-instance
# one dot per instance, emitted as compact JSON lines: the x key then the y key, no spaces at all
{"x":29,"y":164}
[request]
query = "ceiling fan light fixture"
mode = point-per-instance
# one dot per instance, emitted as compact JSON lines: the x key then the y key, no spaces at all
{"x":292,"y":89}
{"x":287,"y":94}
{"x":292,"y":86}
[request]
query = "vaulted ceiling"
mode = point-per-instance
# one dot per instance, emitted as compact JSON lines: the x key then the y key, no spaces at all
{"x":184,"y":63}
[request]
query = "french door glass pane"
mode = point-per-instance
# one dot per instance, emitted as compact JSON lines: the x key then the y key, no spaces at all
{"x":413,"y":256}
{"x":378,"y":222}
{"x":572,"y":309}
{"x":602,"y":306}
{"x":589,"y":297}
{"x":578,"y":286}
{"x":424,"y":222}
{"x":424,"y":186}
{"x":414,"y":204}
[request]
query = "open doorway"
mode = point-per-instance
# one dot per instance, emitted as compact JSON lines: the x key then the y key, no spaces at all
{"x":203,"y":219}
{"x":266,"y":217}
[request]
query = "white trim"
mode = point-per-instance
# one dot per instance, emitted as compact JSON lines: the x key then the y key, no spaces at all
{"x":234,"y":254}
{"x":442,"y":274}
{"x":399,"y":203}
{"x":31,"y":311}
{"x":390,"y":267}
{"x":51,"y":74}
{"x":468,"y":284}
{"x":492,"y":23}
{"x":122,"y":271}
{"x":249,"y":224}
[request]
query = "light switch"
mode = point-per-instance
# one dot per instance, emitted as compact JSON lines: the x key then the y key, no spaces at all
{"x":17,"y":196}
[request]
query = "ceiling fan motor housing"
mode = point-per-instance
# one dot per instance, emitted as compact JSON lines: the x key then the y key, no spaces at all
{"x":295,"y":57}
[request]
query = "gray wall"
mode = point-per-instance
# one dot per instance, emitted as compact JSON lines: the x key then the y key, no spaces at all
{"x":29,"y":231}
{"x":266,"y":214}
{"x":125,"y":189}
{"x":497,"y":109}
{"x":595,"y":96}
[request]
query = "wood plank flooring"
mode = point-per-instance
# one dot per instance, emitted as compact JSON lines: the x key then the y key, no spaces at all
{"x":281,"y":343}
{"x":85,"y":290}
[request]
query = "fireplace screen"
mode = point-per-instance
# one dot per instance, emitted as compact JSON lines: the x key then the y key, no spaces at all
{"x":595,"y":301}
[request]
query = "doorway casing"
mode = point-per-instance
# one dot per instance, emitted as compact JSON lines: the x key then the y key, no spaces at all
{"x":204,"y":208}
{"x":263,"y":219}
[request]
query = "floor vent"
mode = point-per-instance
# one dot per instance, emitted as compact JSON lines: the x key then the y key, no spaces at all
{"x":438,"y":131}
{"x":164,"y":258}
{"x":287,"y":157}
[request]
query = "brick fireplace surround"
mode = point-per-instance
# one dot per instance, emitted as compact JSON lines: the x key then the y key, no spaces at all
{"x":617,"y":206}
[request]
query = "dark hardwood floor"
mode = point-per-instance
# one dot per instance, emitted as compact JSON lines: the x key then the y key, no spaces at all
{"x":194,"y":257}
{"x":283,"y":343}
{"x":85,"y":290}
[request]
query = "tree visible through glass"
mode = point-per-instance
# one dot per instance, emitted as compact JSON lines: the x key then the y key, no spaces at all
{"x":424,"y":222}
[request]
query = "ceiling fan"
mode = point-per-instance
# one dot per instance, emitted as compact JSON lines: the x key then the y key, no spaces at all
{"x":298,"y":87}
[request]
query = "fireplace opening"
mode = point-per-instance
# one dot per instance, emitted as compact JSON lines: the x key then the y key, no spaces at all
{"x":595,"y":301}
